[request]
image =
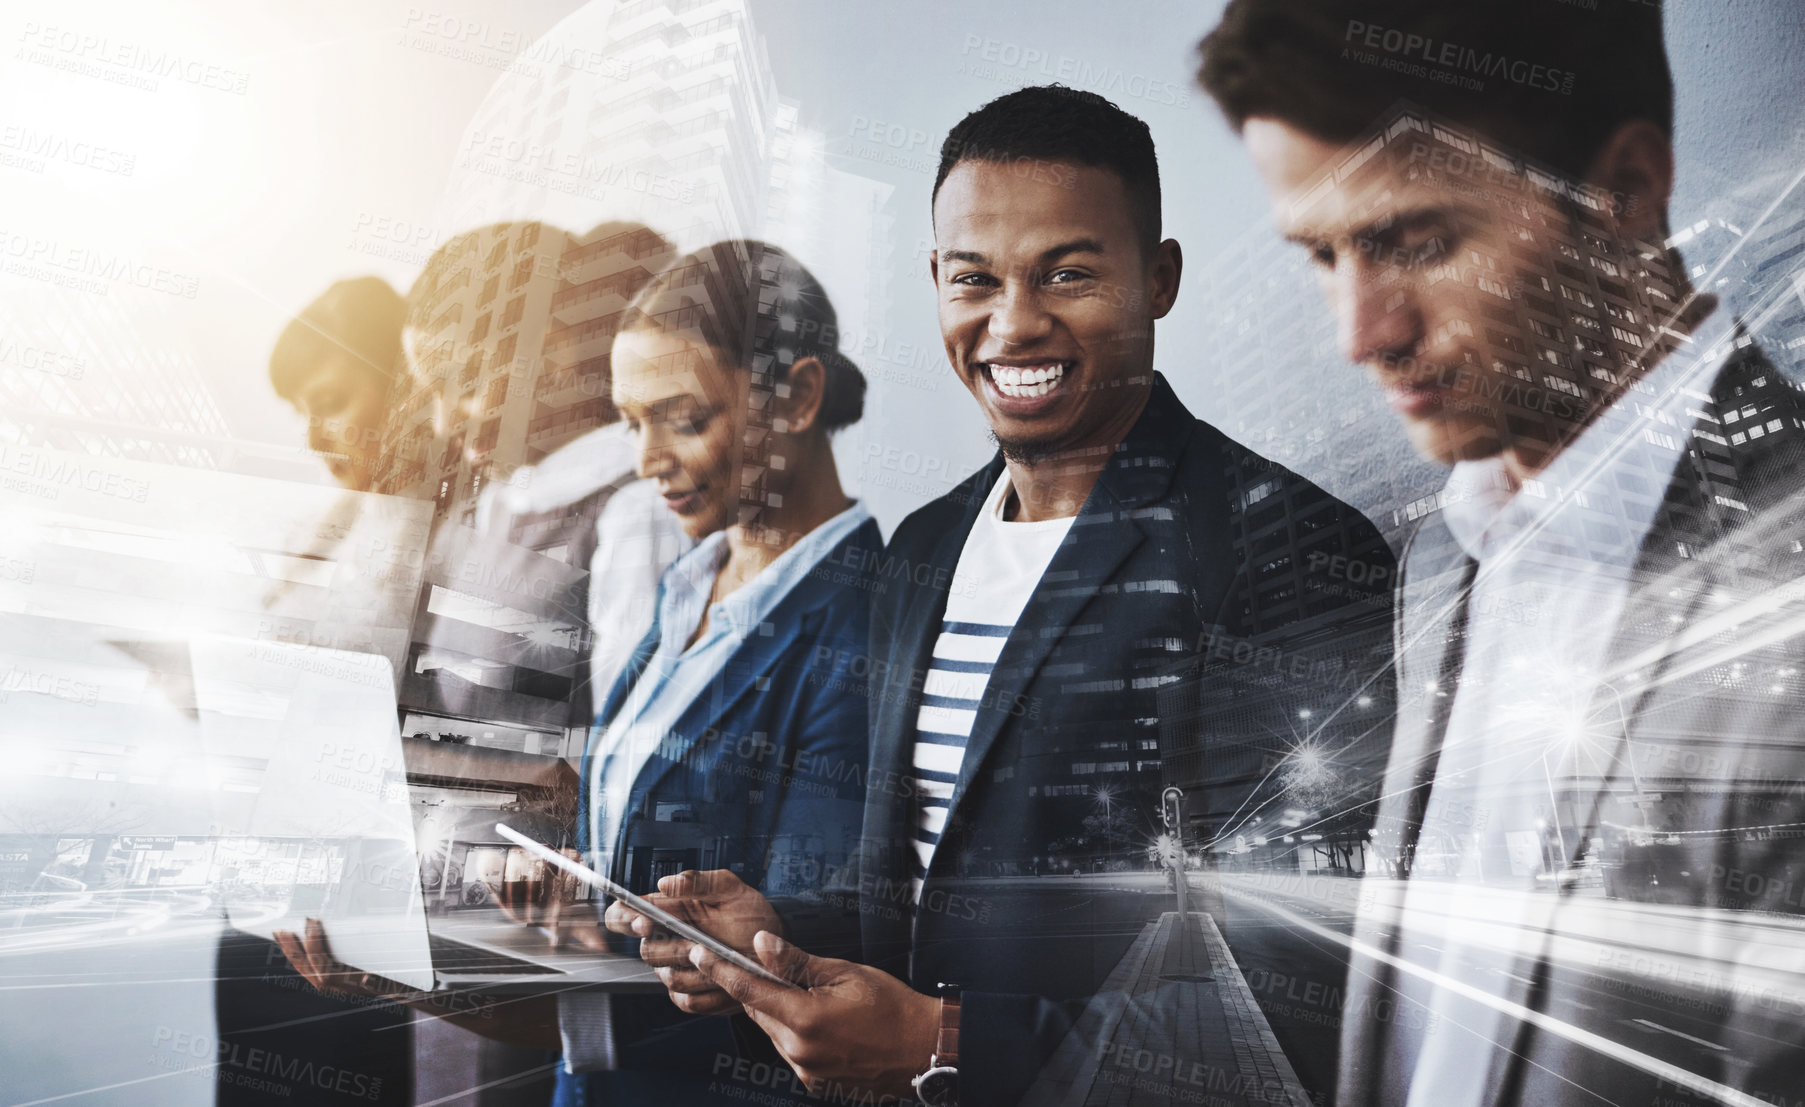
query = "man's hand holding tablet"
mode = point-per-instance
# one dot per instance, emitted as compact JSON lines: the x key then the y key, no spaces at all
{"x":715,"y":910}
{"x":716,"y":902}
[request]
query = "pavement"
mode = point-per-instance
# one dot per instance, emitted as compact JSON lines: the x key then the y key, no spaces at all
{"x":1175,"y":1023}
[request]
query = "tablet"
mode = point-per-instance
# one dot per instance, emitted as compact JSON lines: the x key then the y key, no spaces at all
{"x":650,"y":910}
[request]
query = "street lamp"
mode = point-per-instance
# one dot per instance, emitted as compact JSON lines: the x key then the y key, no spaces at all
{"x":1171,"y":812}
{"x":1104,"y":794}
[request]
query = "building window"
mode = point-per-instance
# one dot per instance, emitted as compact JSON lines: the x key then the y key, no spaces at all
{"x":1259,"y":492}
{"x":1503,"y":340}
{"x":1577,"y":296}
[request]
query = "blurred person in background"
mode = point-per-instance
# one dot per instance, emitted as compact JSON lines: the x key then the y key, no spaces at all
{"x":501,"y":325}
{"x":585,"y":496}
{"x":337,"y":363}
{"x":505,"y":418}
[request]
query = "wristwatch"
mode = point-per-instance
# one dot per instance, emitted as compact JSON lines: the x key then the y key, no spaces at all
{"x":939,"y":1085}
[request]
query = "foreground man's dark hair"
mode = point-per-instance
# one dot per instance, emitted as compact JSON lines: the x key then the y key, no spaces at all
{"x":1552,"y":80}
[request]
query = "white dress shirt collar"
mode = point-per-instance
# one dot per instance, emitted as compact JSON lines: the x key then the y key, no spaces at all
{"x":1650,"y":423}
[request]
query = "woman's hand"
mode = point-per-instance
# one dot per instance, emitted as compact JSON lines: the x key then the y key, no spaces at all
{"x":534,"y":893}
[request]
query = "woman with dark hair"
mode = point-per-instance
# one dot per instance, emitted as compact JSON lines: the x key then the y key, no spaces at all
{"x":736,"y":737}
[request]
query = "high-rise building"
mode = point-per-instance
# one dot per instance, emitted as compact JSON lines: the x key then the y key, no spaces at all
{"x":482,"y":296}
{"x":509,"y":333}
{"x":598,"y":276}
{"x":660,"y":121}
{"x":659,"y":112}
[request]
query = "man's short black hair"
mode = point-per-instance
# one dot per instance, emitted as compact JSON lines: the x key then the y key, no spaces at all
{"x":1552,"y":79}
{"x":1056,"y":123}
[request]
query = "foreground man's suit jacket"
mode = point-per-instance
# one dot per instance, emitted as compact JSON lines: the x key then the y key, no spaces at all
{"x":1701,"y":695}
{"x":1152,"y":566}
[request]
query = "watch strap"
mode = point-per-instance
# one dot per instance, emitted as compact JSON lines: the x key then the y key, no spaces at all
{"x":946,"y":1043}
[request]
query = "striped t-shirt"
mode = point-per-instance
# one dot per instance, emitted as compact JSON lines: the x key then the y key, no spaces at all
{"x":998,"y":570}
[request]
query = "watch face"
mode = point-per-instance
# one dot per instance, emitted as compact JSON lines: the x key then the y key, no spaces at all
{"x":938,"y":1087}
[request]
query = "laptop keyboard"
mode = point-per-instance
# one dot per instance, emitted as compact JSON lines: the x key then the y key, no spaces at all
{"x":452,"y":956}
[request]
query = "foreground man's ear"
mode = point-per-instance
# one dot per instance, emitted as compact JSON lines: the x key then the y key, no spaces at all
{"x":1636,"y":165}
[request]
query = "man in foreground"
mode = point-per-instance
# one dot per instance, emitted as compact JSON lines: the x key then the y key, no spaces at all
{"x":1597,"y":727}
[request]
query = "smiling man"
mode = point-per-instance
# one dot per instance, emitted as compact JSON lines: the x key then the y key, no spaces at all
{"x":1028,"y":622}
{"x":1597,"y":727}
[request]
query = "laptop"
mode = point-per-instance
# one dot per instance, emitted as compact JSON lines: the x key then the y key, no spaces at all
{"x":317,"y":821}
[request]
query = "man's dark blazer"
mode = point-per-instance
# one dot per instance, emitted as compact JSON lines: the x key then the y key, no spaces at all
{"x":1149,"y":568}
{"x":1714,"y":594}
{"x":764,"y":775}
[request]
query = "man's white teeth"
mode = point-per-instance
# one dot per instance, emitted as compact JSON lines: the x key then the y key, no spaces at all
{"x":1017,"y":381}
